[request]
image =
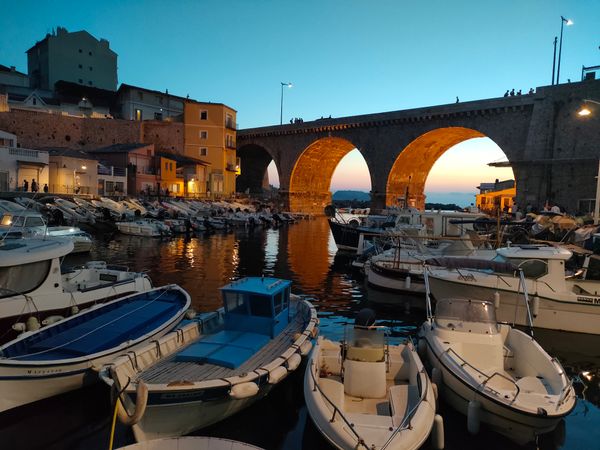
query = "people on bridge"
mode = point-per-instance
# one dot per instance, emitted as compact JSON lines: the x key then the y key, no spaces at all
{"x":25,"y":185}
{"x":530,"y":91}
{"x":512,"y":92}
{"x":34,"y":185}
{"x":45,"y":188}
{"x":519,"y":92}
{"x":506,"y":93}
{"x":457,"y":100}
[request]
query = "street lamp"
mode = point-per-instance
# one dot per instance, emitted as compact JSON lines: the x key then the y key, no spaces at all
{"x":563,"y":21}
{"x":289,"y":85}
{"x":585,"y":111}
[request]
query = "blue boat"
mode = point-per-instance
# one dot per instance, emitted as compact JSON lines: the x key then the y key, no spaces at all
{"x":219,"y":363}
{"x":64,"y":356}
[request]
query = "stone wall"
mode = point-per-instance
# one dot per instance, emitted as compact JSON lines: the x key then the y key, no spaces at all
{"x":41,"y":130}
{"x":166,"y":136}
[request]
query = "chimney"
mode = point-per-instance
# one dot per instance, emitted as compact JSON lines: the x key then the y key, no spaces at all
{"x":12,"y":68}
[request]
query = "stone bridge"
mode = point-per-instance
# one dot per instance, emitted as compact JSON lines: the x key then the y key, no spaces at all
{"x":552,"y":150}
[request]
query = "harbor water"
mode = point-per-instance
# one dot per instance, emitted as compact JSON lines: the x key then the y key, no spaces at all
{"x":305,"y":253}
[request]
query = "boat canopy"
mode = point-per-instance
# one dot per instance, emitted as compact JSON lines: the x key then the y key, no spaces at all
{"x":454,"y":312}
{"x":471,"y":263}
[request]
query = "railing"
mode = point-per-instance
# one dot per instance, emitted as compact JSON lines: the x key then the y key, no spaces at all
{"x":230,"y":124}
{"x":119,"y":171}
{"x":14,"y":151}
{"x":230,"y":144}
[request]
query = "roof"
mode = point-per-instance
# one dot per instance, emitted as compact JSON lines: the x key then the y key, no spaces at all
{"x":119,"y":148}
{"x":11,"y":70}
{"x":258,"y":285}
{"x":183,"y":159}
{"x":130,"y":86}
{"x":25,"y":251}
{"x":73,"y":93}
{"x":61,"y":31}
{"x":534,"y":252}
{"x":68,"y":152}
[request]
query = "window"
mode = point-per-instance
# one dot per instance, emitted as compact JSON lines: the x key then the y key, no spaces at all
{"x":234,"y":303}
{"x":158,"y":116}
{"x":203,"y":134}
{"x":119,"y":186}
{"x":138,"y":114}
{"x":80,"y":66}
{"x":229,"y":121}
{"x":229,"y":142}
{"x":204,"y":115}
{"x":110,"y":186}
{"x":260,"y":305}
{"x":203,"y":151}
{"x":91,"y":68}
{"x":34,"y":101}
{"x":35,"y":222}
{"x":23,"y":278}
{"x":80,"y":81}
{"x":140,"y":95}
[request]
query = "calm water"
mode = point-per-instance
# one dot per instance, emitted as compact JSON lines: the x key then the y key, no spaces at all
{"x":305,"y":253}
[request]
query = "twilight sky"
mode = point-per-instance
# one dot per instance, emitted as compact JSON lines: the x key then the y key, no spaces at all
{"x":345,"y":57}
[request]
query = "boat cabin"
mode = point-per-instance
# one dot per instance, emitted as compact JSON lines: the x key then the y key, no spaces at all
{"x":257,"y":305}
{"x":468,"y":315}
{"x":31,"y":221}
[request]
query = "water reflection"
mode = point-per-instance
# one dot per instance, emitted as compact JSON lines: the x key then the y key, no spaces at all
{"x":304,"y":252}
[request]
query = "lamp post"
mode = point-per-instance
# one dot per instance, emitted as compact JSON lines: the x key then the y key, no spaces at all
{"x":584,"y":112}
{"x":289,"y":85}
{"x":83,"y":167}
{"x":563,"y":21}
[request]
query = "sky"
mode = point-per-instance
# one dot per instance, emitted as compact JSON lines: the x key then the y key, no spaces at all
{"x":344,"y":57}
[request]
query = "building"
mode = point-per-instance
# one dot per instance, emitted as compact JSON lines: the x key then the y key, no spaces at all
{"x":18,"y":165}
{"x":496,"y":196}
{"x":137,"y":103}
{"x":189,"y":177}
{"x":210,"y":134}
{"x":77,"y":57}
{"x":12,"y":77}
{"x":72,"y":172}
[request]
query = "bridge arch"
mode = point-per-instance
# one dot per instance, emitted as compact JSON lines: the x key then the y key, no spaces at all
{"x":408,"y":175}
{"x":311,"y":175}
{"x":254,"y":160}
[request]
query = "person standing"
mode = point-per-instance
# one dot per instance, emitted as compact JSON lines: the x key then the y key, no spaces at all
{"x":25,"y":185}
{"x":46,"y":188}
{"x":34,"y":186}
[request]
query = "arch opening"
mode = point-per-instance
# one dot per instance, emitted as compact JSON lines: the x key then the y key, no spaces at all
{"x":408,"y":176}
{"x":254,"y":161}
{"x":310,"y":181}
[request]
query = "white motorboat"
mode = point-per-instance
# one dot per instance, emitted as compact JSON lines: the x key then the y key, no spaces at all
{"x":34,"y":292}
{"x":62,"y":357}
{"x":191,"y":443}
{"x":560,"y":300}
{"x":32,"y":224}
{"x":219,"y":363}
{"x":144,"y":227}
{"x":493,"y":373}
{"x":365,"y":393}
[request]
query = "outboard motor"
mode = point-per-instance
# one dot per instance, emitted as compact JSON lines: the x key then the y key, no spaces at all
{"x":365,"y":317}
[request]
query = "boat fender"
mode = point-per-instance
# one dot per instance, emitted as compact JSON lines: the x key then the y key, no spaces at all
{"x":473,"y":416}
{"x":437,"y":433}
{"x":407,"y":282}
{"x":141,"y":400}
{"x":52,"y":319}
{"x":243,"y":390}
{"x":19,"y":326}
{"x":277,"y":374}
{"x":305,"y":347}
{"x":535,"y":308}
{"x":496,"y":299}
{"x":314,"y":332}
{"x":74,"y":310}
{"x":422,"y":348}
{"x":434,"y":388}
{"x":436,"y":377}
{"x":190,"y":314}
{"x":32,"y":324}
{"x":293,"y":362}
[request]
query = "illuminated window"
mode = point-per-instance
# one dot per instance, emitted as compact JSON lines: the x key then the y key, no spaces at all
{"x":138,"y":114}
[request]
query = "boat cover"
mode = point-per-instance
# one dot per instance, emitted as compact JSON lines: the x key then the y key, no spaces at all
{"x":471,"y":263}
{"x":227,"y":348}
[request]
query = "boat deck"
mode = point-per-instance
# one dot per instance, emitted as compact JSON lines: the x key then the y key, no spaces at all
{"x":169,"y":370}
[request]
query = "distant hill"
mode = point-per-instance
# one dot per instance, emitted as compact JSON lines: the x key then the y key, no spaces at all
{"x":351,"y":195}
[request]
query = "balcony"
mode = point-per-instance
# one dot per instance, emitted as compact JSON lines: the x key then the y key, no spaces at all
{"x":232,"y":167}
{"x":230,"y":145}
{"x":231,"y":125}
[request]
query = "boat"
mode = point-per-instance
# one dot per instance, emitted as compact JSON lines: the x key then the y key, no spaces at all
{"x":191,"y":443}
{"x":34,"y":292}
{"x":66,"y":355}
{"x":561,"y":299}
{"x":365,"y":393}
{"x":217,"y":364}
{"x":32,"y":224}
{"x":144,"y":227}
{"x":353,"y":235}
{"x":493,"y":373}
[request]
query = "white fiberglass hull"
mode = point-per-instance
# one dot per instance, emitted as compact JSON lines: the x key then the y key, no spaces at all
{"x":567,"y":312}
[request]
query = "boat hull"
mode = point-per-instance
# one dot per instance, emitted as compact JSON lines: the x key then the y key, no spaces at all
{"x":395,"y":280}
{"x":555,"y":314}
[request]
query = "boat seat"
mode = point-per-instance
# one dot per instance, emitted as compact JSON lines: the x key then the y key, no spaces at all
{"x":403,"y":398}
{"x":110,"y":329}
{"x":365,"y":379}
{"x":532,"y":385}
{"x":226,"y":348}
{"x":333,"y":390}
{"x":399,"y":366}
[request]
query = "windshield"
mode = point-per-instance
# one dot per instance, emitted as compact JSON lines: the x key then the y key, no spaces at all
{"x":451,"y":313}
{"x":365,"y":343}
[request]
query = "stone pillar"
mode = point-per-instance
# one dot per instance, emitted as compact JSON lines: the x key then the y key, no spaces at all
{"x":309,"y":202}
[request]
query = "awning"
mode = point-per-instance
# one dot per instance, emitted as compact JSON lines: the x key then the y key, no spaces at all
{"x":32,"y":163}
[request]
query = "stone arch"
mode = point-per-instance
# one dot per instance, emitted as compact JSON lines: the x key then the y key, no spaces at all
{"x":311,"y":175}
{"x":410,"y":170}
{"x":254,"y":160}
